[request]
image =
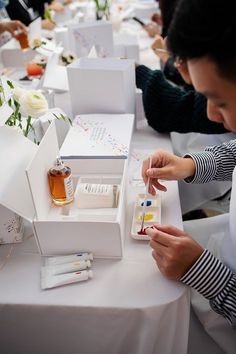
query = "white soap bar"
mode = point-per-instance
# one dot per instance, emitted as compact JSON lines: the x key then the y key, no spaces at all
{"x":92,"y":195}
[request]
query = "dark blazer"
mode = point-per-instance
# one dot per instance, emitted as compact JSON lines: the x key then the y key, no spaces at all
{"x":17,"y":10}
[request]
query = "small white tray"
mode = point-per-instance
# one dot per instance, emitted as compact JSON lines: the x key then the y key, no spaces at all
{"x":152,"y":214}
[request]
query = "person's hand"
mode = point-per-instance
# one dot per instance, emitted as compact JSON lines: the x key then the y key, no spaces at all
{"x":156,"y":17}
{"x":173,"y":250}
{"x":166,"y":166}
{"x":56,"y":6}
{"x":152,"y":29}
{"x":13,"y":27}
{"x":159,"y":48}
{"x":181,"y":66}
{"x":48,"y":25}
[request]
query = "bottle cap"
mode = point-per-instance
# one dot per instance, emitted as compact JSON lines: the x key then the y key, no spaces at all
{"x":59,"y":164}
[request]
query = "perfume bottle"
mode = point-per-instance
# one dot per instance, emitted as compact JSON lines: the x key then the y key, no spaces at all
{"x":22,"y":39}
{"x":60,"y":183}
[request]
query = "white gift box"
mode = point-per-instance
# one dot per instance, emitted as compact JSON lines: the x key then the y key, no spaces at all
{"x":61,"y":36}
{"x":102,"y":85}
{"x":55,"y":75}
{"x":35,"y":29}
{"x":61,"y":230}
{"x":11,"y":226}
{"x":62,"y":127}
{"x":15,"y":57}
{"x":85,"y":35}
{"x":99,"y":136}
{"x":126,"y":46}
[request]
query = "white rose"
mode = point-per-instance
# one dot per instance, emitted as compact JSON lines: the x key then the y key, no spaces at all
{"x":67,"y":57}
{"x":35,"y":43}
{"x":18,"y":92}
{"x":33,"y":103}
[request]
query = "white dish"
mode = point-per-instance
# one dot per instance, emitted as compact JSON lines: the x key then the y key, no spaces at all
{"x":152,"y":215}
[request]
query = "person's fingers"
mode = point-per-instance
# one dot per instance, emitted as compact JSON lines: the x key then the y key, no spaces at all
{"x":169,"y":229}
{"x":11,"y":30}
{"x":158,"y":246}
{"x":22,"y":27}
{"x":151,"y":189}
{"x":145,"y":167}
{"x":14,"y":27}
{"x":158,"y":43}
{"x":161,"y":237}
{"x":156,"y":184}
{"x":159,"y":260}
{"x":157,"y":256}
{"x":157,"y":18}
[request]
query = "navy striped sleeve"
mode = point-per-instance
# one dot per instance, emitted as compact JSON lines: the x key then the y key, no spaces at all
{"x":215,"y":163}
{"x":211,"y":278}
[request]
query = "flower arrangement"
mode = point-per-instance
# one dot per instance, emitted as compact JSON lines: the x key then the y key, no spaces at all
{"x":49,"y":15}
{"x":102,"y":9}
{"x":67,"y":57}
{"x":40,"y":60}
{"x":36,"y":42}
{"x":37,"y":65}
{"x":30,"y":104}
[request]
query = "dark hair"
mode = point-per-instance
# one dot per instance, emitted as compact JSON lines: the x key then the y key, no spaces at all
{"x":205,"y":28}
{"x":167,"y":8}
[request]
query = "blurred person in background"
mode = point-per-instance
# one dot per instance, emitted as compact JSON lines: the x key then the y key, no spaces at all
{"x":28,"y":10}
{"x":8,"y":28}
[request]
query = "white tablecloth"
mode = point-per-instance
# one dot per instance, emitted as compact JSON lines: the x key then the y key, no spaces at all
{"x":128,"y":307}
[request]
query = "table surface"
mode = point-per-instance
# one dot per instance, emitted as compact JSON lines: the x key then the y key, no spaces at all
{"x":120,"y":291}
{"x":128,"y":306}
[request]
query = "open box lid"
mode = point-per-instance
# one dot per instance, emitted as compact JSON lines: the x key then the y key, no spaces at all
{"x":99,"y":136}
{"x":24,"y":187}
{"x":16,"y":151}
{"x":98,"y":64}
{"x":84,"y":36}
{"x":37,"y":169}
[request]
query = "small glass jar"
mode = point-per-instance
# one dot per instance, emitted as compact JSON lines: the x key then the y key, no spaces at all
{"x":34,"y":70}
{"x":22,"y":39}
{"x":60,"y":183}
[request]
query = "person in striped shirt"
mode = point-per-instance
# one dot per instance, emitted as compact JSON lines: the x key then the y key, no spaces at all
{"x":205,"y":52}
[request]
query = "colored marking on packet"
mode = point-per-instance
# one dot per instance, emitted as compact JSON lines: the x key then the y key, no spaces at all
{"x":69,"y":258}
{"x":52,"y":281}
{"x":148,"y":203}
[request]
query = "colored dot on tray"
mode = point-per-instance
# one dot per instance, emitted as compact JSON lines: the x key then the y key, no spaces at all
{"x":147,"y":217}
{"x":148,"y":203}
{"x":142,"y":232}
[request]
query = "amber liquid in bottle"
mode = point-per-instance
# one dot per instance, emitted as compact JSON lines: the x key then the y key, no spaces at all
{"x":23,"y":40}
{"x":60,"y":183}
